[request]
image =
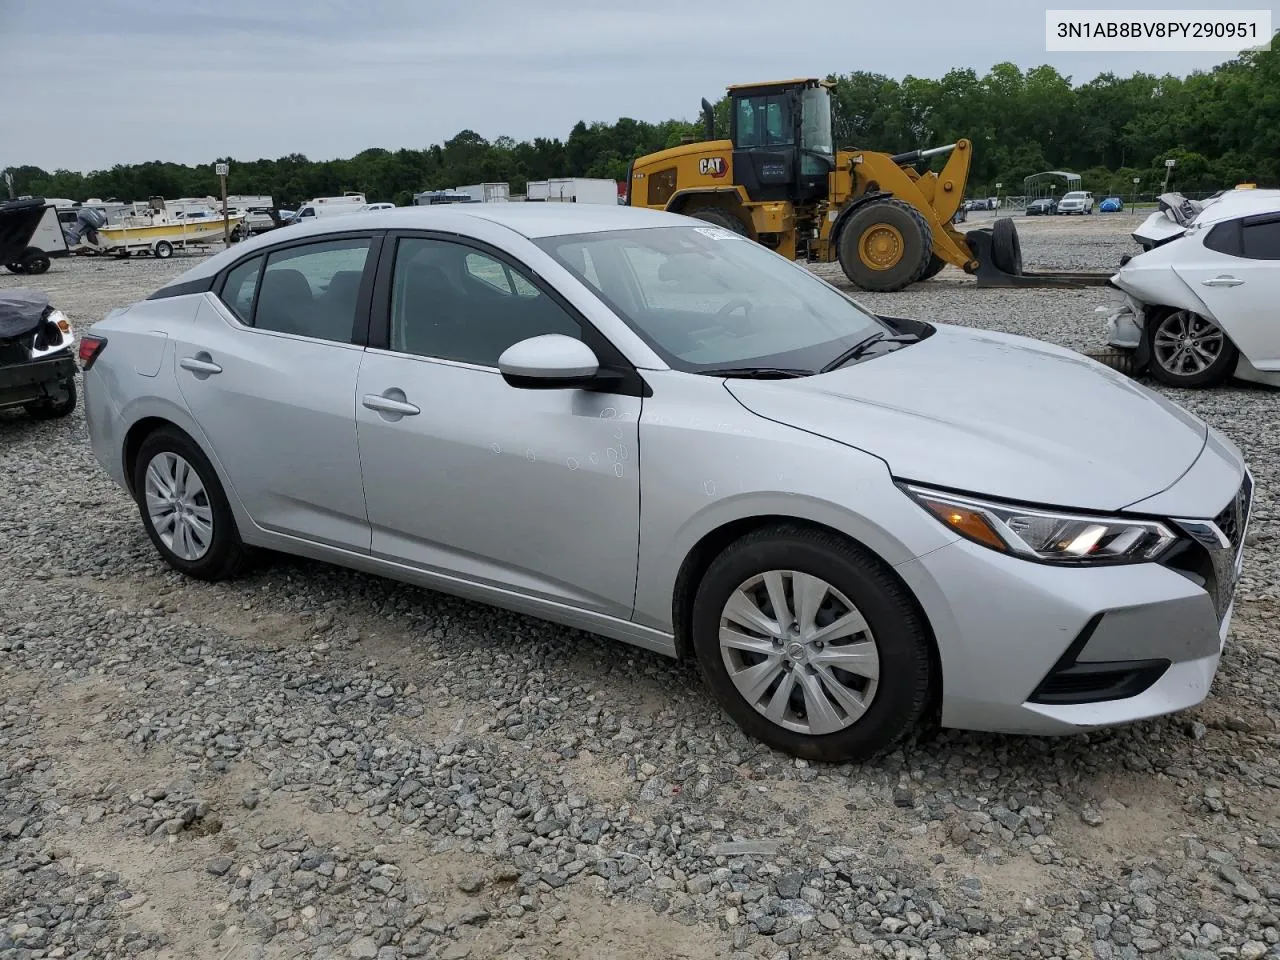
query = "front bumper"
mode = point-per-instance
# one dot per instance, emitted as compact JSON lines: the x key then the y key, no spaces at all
{"x":1031,"y":648}
{"x":23,"y":382}
{"x":1124,"y":321}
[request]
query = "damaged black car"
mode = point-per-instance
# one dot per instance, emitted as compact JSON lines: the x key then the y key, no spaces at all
{"x":37,"y":363}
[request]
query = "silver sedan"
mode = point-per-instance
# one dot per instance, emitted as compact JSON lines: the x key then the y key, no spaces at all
{"x":661,"y":432}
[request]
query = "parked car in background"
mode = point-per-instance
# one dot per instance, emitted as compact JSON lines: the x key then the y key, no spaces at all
{"x":1076,"y":201}
{"x":1111,"y":205}
{"x":1043,"y":207}
{"x":37,"y":366}
{"x":850,"y":522}
{"x":1201,"y":306}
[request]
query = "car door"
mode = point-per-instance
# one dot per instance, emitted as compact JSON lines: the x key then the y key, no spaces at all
{"x":535,"y":491}
{"x":268,"y":369}
{"x":1236,"y":272}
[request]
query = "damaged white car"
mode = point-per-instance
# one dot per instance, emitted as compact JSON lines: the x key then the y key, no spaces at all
{"x":1201,"y":306}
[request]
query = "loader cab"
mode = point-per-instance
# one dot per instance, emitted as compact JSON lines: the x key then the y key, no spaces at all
{"x":783,"y":148}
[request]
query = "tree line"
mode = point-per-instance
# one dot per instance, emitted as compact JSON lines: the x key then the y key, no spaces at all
{"x":1221,"y":126}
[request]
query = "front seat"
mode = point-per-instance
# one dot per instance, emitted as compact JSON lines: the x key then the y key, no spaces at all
{"x":431,"y":321}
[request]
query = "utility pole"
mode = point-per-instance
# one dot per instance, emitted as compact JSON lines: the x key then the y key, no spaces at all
{"x":1168,"y":171}
{"x":221,"y":169}
{"x":1134,"y":201}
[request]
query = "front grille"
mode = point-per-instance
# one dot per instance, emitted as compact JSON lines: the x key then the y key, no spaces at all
{"x":1222,"y":569}
{"x":1231,"y":521}
{"x":12,"y":351}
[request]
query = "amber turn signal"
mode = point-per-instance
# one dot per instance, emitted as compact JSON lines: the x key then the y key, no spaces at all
{"x":967,"y":523}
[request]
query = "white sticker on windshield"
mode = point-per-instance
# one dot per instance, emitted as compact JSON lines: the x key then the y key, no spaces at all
{"x":716,"y":233}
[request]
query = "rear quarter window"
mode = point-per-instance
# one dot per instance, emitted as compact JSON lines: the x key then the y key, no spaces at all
{"x":1261,"y":240}
{"x":241,"y":285}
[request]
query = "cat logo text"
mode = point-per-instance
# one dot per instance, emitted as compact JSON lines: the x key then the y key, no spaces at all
{"x":713,"y":166}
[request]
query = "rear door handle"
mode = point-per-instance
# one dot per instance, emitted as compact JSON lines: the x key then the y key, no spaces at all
{"x":196,"y":365}
{"x":389,"y":405}
{"x":1223,"y":282}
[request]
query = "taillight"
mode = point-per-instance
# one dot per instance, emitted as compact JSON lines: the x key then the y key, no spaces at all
{"x":90,"y":348}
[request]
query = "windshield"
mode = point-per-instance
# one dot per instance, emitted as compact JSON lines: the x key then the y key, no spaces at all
{"x":1074,"y":195}
{"x":704,"y":297}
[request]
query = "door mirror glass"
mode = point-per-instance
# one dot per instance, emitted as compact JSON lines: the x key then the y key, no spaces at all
{"x":548,"y":362}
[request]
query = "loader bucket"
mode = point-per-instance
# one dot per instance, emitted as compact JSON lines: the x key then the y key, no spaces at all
{"x":998,"y":253}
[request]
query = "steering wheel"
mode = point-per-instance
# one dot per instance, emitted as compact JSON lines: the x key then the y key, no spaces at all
{"x":732,"y":305}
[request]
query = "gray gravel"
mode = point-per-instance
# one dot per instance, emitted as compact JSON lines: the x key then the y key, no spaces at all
{"x":310,"y":762}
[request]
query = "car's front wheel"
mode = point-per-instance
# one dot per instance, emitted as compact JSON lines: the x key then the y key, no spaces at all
{"x":184,"y":509}
{"x":811,"y":646}
{"x":1188,"y":350}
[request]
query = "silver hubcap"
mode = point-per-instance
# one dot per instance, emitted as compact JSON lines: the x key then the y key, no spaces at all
{"x":799,"y":652}
{"x":179,"y":507}
{"x":1186,"y":344}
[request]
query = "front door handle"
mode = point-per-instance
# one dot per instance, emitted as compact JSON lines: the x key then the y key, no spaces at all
{"x":1223,"y":281}
{"x":198,"y":365}
{"x":390,"y":405}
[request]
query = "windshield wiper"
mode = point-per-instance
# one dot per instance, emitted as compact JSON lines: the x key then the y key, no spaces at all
{"x":758,"y":373}
{"x":860,"y":348}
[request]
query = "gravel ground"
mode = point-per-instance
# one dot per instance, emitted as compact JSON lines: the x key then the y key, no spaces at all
{"x":314,"y":763}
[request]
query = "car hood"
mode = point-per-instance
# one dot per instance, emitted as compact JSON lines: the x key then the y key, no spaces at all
{"x":995,"y":414}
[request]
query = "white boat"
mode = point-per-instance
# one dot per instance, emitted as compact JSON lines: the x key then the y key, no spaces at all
{"x":161,"y":231}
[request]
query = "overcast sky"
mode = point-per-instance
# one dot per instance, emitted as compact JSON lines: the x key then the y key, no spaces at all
{"x":85,"y":84}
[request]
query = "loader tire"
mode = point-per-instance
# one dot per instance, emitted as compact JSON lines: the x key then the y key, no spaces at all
{"x":1006,"y":250}
{"x":885,"y":246}
{"x":720,"y":217}
{"x":936,"y":263}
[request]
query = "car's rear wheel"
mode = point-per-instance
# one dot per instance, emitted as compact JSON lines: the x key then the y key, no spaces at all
{"x":811,"y":646}
{"x":59,"y":405}
{"x":184,"y":509}
{"x":1188,"y":350}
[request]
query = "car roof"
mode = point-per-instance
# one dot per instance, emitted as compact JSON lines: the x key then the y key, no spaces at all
{"x":1240,"y":203}
{"x":532,"y":220}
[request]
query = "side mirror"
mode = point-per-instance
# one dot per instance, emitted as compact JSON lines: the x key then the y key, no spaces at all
{"x":549,"y":362}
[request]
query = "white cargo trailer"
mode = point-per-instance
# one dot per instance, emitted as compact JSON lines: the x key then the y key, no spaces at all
{"x":582,"y":190}
{"x":487,"y":192}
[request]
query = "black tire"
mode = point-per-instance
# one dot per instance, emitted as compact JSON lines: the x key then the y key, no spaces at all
{"x":936,"y":263}
{"x":1218,"y":372}
{"x":917,"y":245}
{"x":49,"y":409}
{"x":906,"y":672}
{"x":1006,"y":249}
{"x":163,"y":249}
{"x":226,"y":555}
{"x":14,"y":266}
{"x":720,"y":217}
{"x":35,"y":261}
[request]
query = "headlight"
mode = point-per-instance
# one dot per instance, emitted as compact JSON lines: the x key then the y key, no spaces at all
{"x":1050,"y":536}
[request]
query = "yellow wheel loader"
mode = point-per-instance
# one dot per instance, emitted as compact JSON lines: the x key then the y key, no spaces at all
{"x":779,"y":180}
